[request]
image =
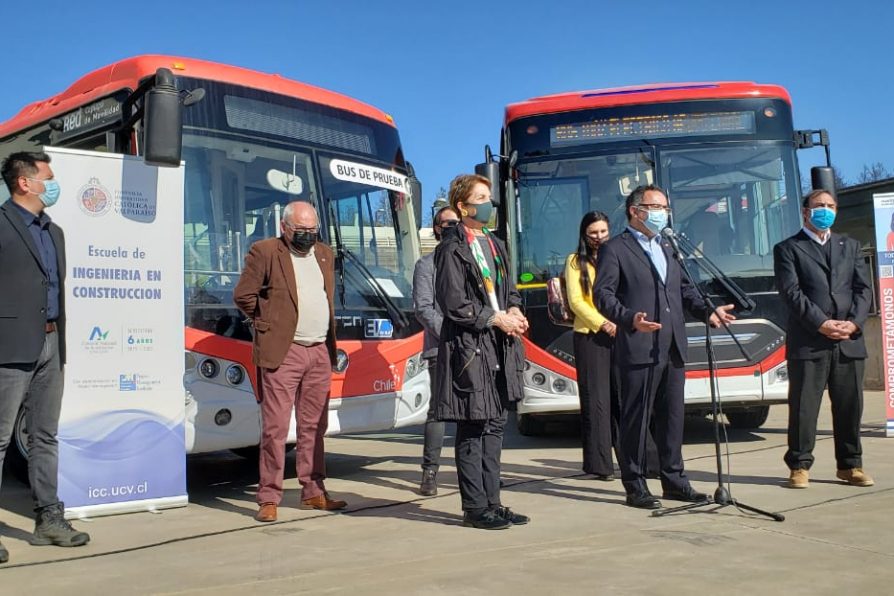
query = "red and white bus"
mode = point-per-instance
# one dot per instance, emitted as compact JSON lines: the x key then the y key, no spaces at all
{"x":724,"y":152}
{"x":252,"y":142}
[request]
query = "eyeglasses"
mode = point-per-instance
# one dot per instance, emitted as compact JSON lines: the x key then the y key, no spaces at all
{"x":653,"y":207}
{"x":448,"y":223}
{"x":299,"y":229}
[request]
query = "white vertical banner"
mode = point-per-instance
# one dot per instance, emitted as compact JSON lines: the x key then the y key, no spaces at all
{"x":121,"y":443}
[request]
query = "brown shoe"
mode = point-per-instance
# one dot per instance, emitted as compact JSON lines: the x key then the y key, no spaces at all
{"x":798,"y":479}
{"x":322,"y":502}
{"x":855,"y":477}
{"x":267,"y":512}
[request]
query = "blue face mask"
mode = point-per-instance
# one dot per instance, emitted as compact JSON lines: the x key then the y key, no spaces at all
{"x":656,"y":221}
{"x":822,"y":218}
{"x":50,"y":193}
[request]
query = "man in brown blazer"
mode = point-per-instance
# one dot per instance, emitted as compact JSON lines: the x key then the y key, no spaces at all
{"x":287,"y":289}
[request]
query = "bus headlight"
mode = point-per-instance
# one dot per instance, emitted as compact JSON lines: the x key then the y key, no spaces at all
{"x":209,"y":368}
{"x":414,"y":366}
{"x":547,"y":381}
{"x":235,"y":374}
{"x":341,"y":361}
{"x":781,"y":374}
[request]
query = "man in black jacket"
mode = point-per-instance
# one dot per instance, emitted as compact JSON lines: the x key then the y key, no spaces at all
{"x":822,"y":279}
{"x":643,"y":290}
{"x":32,"y":335}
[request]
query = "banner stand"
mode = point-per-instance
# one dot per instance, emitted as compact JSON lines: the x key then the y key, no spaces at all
{"x":121,"y":431}
{"x":884,"y":241}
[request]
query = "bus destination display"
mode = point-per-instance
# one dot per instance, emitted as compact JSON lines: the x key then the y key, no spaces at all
{"x":662,"y":125}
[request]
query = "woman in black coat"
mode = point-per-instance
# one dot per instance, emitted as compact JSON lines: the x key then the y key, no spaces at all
{"x":480,"y":355}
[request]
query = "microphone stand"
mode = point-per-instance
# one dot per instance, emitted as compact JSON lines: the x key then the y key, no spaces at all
{"x":722,"y":497}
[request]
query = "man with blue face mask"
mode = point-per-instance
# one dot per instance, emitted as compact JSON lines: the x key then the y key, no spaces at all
{"x":643,"y":290}
{"x":821,"y":278}
{"x":32,"y":335}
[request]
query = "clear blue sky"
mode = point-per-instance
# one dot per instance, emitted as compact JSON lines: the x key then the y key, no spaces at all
{"x":446,"y":70}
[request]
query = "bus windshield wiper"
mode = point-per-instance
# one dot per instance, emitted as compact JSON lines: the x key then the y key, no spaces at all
{"x":393,"y":311}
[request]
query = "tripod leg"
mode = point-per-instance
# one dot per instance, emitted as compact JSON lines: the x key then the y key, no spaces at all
{"x":774,"y":516}
{"x":688,"y":506}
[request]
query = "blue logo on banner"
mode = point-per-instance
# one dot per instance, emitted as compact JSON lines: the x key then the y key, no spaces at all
{"x":379,"y":328}
{"x":98,"y":335}
{"x":127,"y":382}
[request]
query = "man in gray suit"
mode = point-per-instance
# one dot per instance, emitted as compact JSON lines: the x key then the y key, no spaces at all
{"x":429,"y":314}
{"x":32,"y":335}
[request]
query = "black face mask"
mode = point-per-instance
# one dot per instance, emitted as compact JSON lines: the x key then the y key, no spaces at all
{"x":303,"y":241}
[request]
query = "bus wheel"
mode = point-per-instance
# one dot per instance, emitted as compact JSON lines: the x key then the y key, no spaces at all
{"x":253,"y":453}
{"x":748,"y":419}
{"x":529,"y":425}
{"x":17,"y":452}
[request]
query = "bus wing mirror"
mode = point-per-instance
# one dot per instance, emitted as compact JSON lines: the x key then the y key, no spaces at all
{"x":491,"y":171}
{"x":163,"y":122}
{"x":415,"y":194}
{"x":823,"y":177}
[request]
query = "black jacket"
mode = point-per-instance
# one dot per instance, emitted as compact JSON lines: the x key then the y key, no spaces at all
{"x":23,"y":290}
{"x":627,"y":283}
{"x":479,"y":368}
{"x":815,"y":293}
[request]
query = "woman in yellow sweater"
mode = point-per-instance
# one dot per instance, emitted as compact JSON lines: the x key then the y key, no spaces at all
{"x":593,"y":341}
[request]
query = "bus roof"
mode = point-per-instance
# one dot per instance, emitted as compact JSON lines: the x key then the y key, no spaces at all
{"x":127,"y":74}
{"x":641,"y":94}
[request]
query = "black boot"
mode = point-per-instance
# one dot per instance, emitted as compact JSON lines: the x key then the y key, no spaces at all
{"x":4,"y":554}
{"x":429,"y":485}
{"x":52,"y":528}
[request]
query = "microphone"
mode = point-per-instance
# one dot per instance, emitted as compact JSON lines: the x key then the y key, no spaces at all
{"x":671,"y":237}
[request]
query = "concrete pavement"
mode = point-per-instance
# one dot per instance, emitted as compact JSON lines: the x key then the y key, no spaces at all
{"x":582,"y":539}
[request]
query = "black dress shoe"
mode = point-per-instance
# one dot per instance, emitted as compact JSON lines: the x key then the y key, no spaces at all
{"x":489,"y":520}
{"x":643,"y":501}
{"x":602,"y":477}
{"x":688,"y":494}
{"x":509,"y":515}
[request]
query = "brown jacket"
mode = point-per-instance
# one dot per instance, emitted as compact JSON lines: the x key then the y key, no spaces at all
{"x":267,"y":293}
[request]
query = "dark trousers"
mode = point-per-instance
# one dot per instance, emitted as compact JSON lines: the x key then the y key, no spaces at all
{"x":434,"y":429}
{"x":655,"y":388}
{"x":478,"y":447}
{"x":598,"y":389}
{"x":37,"y":388}
{"x":807,"y":380}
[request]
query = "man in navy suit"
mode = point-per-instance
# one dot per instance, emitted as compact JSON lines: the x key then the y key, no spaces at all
{"x":643,"y":290}
{"x":32,"y":335}
{"x":822,"y":279}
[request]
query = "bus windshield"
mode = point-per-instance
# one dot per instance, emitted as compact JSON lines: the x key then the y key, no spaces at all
{"x":248,"y":154}
{"x":734,"y":203}
{"x":555,"y":194}
{"x":731,"y":200}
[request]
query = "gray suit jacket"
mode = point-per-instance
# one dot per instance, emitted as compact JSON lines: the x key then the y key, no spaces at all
{"x":23,"y":291}
{"x":425,"y":307}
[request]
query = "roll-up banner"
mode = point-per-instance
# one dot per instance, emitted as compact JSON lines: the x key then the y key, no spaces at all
{"x":121,"y":443}
{"x":884,"y":241}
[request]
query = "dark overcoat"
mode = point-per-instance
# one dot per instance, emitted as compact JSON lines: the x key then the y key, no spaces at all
{"x":479,"y":367}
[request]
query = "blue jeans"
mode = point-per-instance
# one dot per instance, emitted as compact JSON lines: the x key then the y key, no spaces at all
{"x":37,"y":388}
